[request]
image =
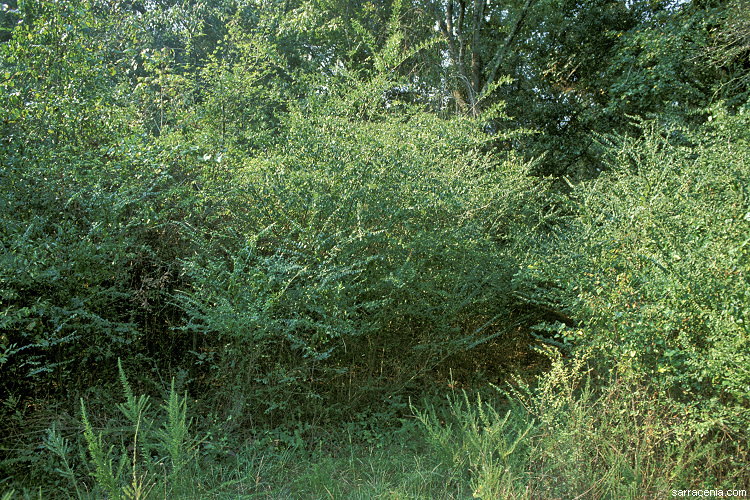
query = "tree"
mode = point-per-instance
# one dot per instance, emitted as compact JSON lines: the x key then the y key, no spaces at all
{"x":592,"y":65}
{"x":475,"y":55}
{"x":729,"y":51}
{"x":8,"y":18}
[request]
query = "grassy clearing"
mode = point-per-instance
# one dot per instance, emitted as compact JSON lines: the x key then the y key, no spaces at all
{"x":385,"y":470}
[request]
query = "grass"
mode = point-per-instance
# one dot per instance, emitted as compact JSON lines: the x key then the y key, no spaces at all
{"x":573,"y":434}
{"x":392,"y":470}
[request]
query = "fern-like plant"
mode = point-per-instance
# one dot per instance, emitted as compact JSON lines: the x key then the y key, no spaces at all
{"x":169,"y":447}
{"x":61,"y":447}
{"x":480,"y":444}
{"x":104,"y":472}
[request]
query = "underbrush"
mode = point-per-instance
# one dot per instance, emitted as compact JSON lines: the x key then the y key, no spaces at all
{"x":653,"y":262}
{"x":576,"y":435}
{"x":570,"y":434}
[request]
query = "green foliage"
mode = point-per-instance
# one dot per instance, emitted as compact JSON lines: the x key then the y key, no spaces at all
{"x":92,"y":212}
{"x":356,"y":241}
{"x":87,"y":262}
{"x":104,"y":473}
{"x":60,"y":447}
{"x":153,"y":457}
{"x":173,"y":436}
{"x":655,"y":266}
{"x":55,"y":47}
{"x":651,"y":73}
{"x":571,"y":46}
{"x":595,"y":438}
{"x":609,"y":438}
{"x":588,"y":66}
{"x":355,"y":247}
{"x":245,"y":82}
{"x":481,"y":446}
{"x":273,"y":202}
{"x":728,"y":51}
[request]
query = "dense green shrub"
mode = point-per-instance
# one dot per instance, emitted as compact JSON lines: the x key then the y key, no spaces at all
{"x":89,"y":260}
{"x":353,"y":252}
{"x":89,"y":229}
{"x":654,"y":266}
{"x":304,"y":247}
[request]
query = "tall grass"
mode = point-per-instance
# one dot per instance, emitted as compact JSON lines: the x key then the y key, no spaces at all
{"x":574,"y":435}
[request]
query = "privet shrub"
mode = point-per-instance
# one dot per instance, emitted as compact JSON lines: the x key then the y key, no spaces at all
{"x":89,"y":207}
{"x":88,"y":266}
{"x":353,"y":255}
{"x":654,"y":265}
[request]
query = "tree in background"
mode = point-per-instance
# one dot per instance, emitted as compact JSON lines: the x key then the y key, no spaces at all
{"x":475,"y":52}
{"x":729,"y":50}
